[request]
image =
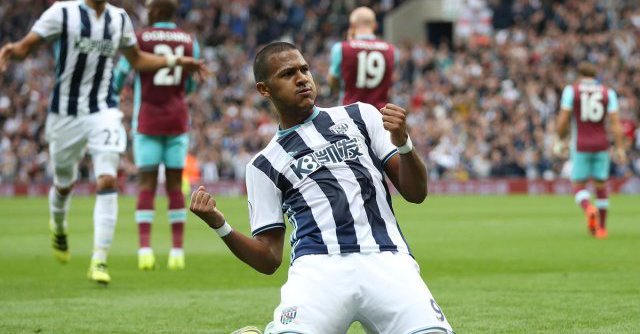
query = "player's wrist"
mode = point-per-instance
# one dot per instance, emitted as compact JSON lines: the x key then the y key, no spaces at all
{"x":407,"y":147}
{"x":224,"y":230}
{"x":172,"y":60}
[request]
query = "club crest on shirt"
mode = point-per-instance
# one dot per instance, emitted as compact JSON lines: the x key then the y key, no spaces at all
{"x":340,"y":128}
{"x":288,"y":315}
{"x":342,"y":150}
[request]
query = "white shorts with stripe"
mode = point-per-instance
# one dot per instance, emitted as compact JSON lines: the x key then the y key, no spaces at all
{"x":325,"y":294}
{"x":69,"y":137}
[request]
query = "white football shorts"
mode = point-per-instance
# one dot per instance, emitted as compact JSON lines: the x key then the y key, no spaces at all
{"x":325,"y":294}
{"x":101,"y":133}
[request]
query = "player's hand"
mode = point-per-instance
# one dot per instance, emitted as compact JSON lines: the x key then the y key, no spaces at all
{"x":558,"y":148}
{"x":394,"y":120}
{"x":196,"y":66}
{"x":5,"y":55}
{"x":621,"y":155}
{"x":204,"y":206}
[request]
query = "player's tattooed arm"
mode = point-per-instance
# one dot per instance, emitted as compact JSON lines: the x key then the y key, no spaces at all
{"x":263,"y":252}
{"x":19,"y":50}
{"x":407,"y":172}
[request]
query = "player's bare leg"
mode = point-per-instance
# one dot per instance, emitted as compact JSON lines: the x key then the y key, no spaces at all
{"x":602,"y":204}
{"x":147,"y":183}
{"x":583,"y":199}
{"x":59,"y":200}
{"x":177,"y":217}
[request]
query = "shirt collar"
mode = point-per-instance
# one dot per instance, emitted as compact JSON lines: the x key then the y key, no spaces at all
{"x":365,"y":36}
{"x":282,"y":133}
{"x":165,"y":25}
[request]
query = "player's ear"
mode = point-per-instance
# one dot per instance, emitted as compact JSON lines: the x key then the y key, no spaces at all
{"x":263,"y":89}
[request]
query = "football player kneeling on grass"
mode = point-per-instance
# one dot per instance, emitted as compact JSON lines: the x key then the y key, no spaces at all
{"x":325,"y":170}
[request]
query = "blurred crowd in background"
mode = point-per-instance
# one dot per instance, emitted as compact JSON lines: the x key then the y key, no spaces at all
{"x":482,"y":105}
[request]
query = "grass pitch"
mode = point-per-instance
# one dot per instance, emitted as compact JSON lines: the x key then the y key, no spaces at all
{"x":494,"y":264}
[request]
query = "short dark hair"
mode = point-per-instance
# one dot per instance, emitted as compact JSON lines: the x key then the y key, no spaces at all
{"x":587,"y":69}
{"x":260,"y":64}
{"x":166,"y":8}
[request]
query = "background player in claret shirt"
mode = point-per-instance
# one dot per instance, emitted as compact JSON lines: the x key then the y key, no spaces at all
{"x":160,"y":126}
{"x":362,"y":66}
{"x":325,"y":169}
{"x":83,"y":112}
{"x":588,"y":104}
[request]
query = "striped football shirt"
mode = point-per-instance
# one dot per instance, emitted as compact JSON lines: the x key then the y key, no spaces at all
{"x":326,"y":175}
{"x":84,"y":47}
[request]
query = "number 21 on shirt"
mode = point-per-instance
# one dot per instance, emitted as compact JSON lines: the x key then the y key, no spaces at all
{"x":163,"y":76}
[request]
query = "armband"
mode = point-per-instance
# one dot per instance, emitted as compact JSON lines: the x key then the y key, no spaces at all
{"x":407,"y":147}
{"x":223,"y":230}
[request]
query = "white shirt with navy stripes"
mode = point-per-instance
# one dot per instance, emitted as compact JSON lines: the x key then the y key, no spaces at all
{"x":84,"y":47}
{"x":326,"y":175}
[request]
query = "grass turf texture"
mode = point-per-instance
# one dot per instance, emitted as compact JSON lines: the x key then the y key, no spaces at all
{"x":494,"y":264}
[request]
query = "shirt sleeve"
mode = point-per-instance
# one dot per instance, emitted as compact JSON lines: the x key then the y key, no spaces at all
{"x":566,"y":102}
{"x":379,"y":136}
{"x":122,"y":70}
{"x":128,"y":38}
{"x":336,"y":60}
{"x":190,"y":85}
{"x":612,"y":106}
{"x":49,"y":25}
{"x":265,"y":202}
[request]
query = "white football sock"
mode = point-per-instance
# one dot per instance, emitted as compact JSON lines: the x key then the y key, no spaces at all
{"x":176,"y":252}
{"x":58,"y":207}
{"x":145,"y":251}
{"x":105,"y":214}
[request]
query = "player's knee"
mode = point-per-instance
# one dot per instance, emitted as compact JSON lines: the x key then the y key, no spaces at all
{"x":600,"y":184}
{"x":64,"y":191}
{"x":105,"y":164}
{"x":106,"y":183}
{"x":64,"y":178}
{"x":148,"y":180}
{"x":173,"y":179}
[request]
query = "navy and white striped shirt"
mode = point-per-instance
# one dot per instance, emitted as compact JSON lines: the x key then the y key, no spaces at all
{"x":326,"y":175}
{"x":84,"y":47}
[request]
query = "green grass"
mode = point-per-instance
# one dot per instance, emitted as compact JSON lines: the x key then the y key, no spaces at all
{"x":495,"y":265}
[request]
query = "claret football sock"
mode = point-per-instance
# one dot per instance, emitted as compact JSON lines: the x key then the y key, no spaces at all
{"x":177,"y":234}
{"x":144,"y":235}
{"x":177,"y":217}
{"x":144,"y":217}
